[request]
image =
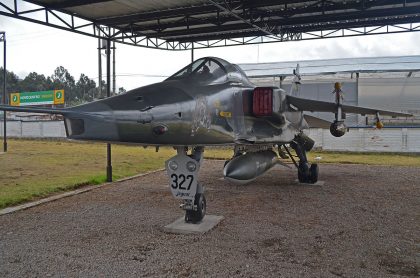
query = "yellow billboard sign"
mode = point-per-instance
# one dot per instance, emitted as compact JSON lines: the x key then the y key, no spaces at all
{"x":58,"y":96}
{"x":15,"y":99}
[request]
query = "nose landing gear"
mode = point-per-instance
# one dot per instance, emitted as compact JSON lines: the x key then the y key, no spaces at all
{"x":197,"y":213}
{"x":182,"y":170}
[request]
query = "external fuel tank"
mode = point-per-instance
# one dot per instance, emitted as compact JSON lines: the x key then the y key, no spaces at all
{"x":247,"y":167}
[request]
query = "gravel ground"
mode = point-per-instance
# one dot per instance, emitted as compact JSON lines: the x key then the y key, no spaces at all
{"x":364,"y":222}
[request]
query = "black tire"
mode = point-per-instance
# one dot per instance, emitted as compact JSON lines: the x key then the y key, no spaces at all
{"x":313,"y":173}
{"x":303,"y":173}
{"x":195,"y":216}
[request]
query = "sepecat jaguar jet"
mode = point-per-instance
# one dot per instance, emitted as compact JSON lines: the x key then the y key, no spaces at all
{"x":209,"y":102}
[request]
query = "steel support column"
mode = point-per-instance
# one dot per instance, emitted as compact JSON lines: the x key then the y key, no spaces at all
{"x":108,"y":94}
{"x":192,"y":52}
{"x":4,"y":92}
{"x":99,"y":69}
{"x":114,"y":80}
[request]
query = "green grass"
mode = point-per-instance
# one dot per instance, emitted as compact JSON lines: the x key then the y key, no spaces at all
{"x":367,"y":158}
{"x":37,"y":168}
{"x":343,"y":157}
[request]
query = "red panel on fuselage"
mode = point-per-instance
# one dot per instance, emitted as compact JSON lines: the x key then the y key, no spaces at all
{"x":262,"y":102}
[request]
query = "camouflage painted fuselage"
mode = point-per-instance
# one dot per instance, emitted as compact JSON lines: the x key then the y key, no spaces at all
{"x":185,"y":111}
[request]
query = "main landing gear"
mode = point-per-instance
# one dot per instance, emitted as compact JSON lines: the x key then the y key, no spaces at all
{"x":307,"y":173}
{"x":182,"y":170}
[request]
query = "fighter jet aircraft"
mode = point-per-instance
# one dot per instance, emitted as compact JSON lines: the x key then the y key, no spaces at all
{"x":209,"y":102}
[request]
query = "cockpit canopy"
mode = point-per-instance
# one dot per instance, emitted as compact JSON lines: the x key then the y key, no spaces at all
{"x":210,"y":70}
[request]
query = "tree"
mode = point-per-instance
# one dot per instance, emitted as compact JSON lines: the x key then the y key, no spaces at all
{"x":121,"y":90}
{"x":102,"y":93}
{"x":62,"y":79}
{"x":34,"y":82}
{"x":85,"y":88}
{"x":12,"y":84}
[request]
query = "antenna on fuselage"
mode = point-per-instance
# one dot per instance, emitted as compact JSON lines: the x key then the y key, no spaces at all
{"x":295,"y":86}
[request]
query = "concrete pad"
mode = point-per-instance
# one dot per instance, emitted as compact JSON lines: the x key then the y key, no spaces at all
{"x":319,"y":183}
{"x":180,"y":227}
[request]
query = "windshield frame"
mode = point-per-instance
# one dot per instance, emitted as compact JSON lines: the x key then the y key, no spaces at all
{"x":178,"y":76}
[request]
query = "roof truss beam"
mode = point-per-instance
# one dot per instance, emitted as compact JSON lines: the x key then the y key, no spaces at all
{"x":71,"y":3}
{"x":328,"y":12}
{"x":190,"y":11}
{"x":288,"y":20}
{"x":314,"y":22}
{"x":308,"y":33}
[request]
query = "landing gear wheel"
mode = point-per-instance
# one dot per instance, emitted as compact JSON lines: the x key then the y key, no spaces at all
{"x":313,"y":173}
{"x":195,"y":216}
{"x":303,"y":173}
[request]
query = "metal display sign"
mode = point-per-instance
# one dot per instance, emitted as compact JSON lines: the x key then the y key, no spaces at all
{"x":52,"y":97}
{"x":183,"y":172}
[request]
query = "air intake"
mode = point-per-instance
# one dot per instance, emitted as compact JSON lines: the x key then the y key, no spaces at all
{"x":74,"y":127}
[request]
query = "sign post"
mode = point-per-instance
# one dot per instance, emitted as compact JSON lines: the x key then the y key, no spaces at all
{"x":3,"y":39}
{"x":108,"y":94}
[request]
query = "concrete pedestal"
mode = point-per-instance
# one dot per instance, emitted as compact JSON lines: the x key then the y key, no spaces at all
{"x":180,"y":227}
{"x":320,"y":183}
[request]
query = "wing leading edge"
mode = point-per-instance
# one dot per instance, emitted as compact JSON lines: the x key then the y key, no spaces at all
{"x":33,"y":109}
{"x":303,"y":104}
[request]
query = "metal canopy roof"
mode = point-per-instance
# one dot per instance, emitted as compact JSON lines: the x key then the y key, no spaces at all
{"x":184,"y":24}
{"x":333,"y":66}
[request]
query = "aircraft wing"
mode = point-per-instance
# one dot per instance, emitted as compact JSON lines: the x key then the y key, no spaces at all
{"x":303,"y":104}
{"x":33,"y":109}
{"x":315,"y":122}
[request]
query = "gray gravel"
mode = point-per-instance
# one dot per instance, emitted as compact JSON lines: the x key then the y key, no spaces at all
{"x":364,"y":222}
